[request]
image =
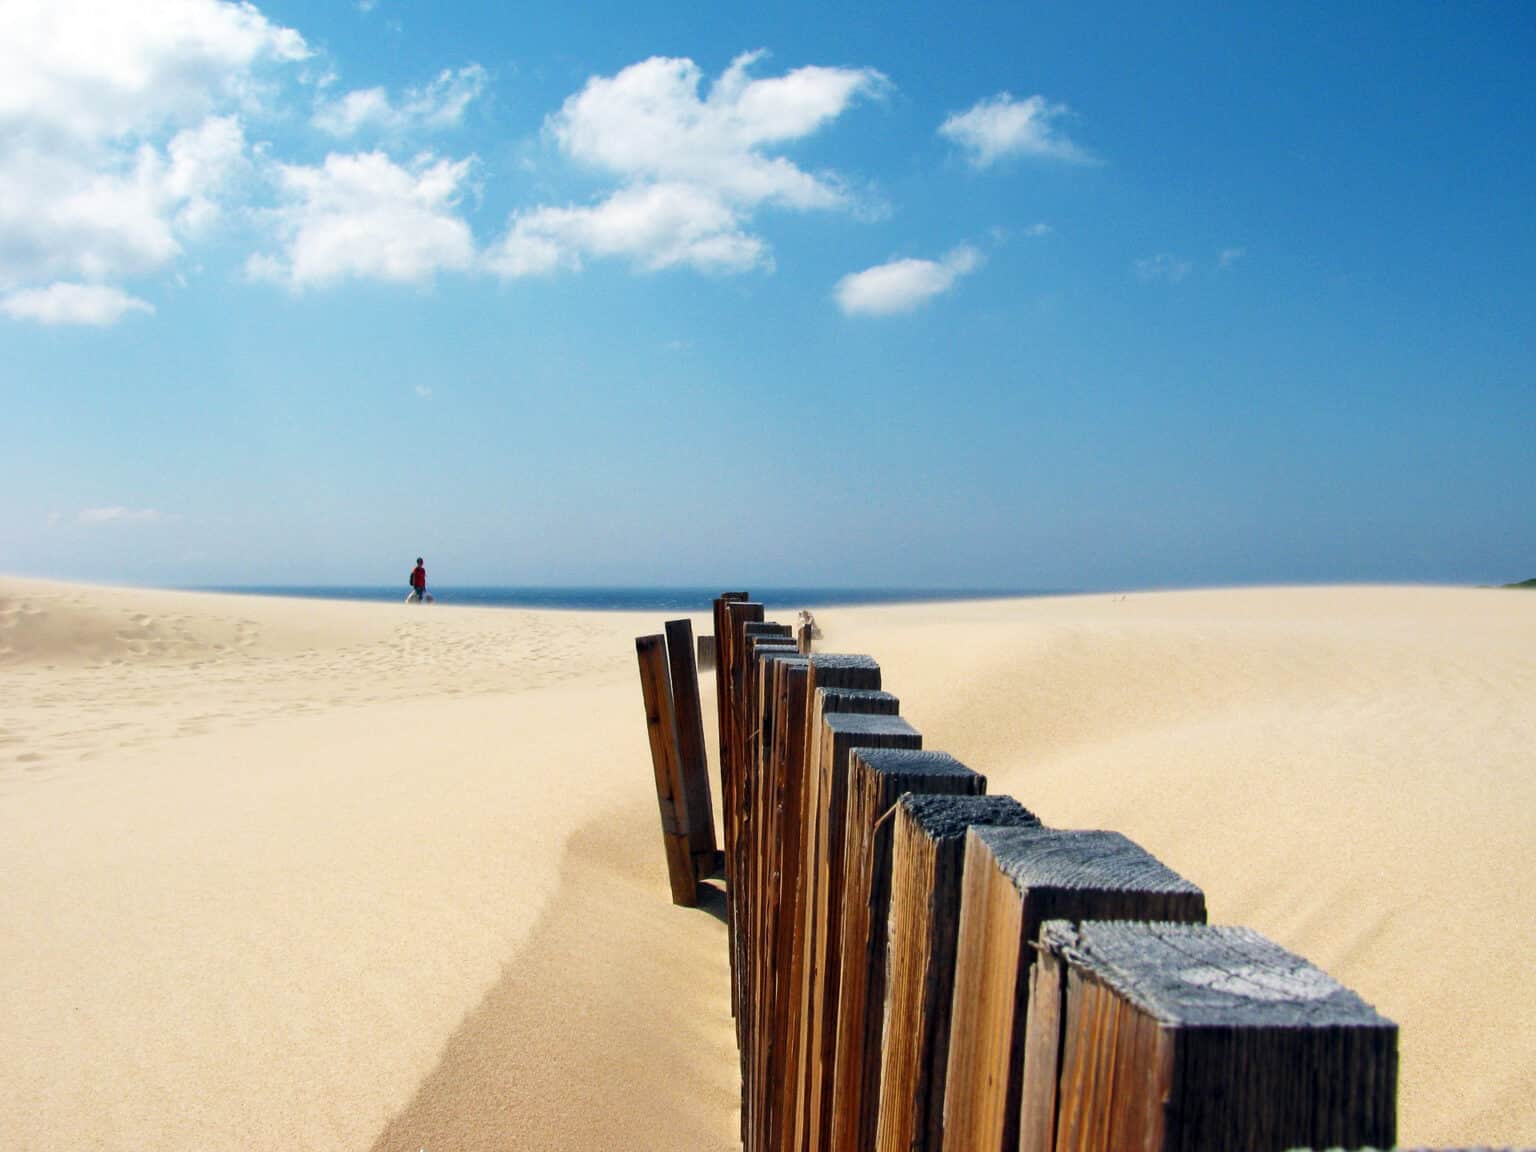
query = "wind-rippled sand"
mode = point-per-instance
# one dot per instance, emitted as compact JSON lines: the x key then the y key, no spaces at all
{"x":285,"y":874}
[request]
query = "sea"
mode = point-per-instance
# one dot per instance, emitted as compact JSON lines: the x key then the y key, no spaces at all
{"x":656,"y":599}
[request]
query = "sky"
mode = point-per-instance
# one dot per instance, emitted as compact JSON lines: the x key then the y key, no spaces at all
{"x":987,"y":296}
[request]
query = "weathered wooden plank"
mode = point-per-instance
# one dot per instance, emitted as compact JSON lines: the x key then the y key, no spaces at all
{"x":693,"y":763}
{"x":841,"y":733}
{"x":661,"y":731}
{"x":837,"y":682}
{"x":767,"y":791}
{"x":877,"y":777}
{"x":738,"y":614}
{"x":1015,"y":879}
{"x":1192,"y":1037}
{"x":927,"y":864}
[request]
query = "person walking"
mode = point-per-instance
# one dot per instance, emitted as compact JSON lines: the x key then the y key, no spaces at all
{"x":418,"y":584}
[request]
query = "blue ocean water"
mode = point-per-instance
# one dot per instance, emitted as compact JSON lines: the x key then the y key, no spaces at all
{"x":635,"y":599}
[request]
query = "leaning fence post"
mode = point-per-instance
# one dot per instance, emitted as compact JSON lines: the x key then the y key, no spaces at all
{"x":662,"y":729}
{"x":693,"y":766}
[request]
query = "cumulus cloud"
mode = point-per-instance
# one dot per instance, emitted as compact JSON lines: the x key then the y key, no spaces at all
{"x":903,"y":285}
{"x":120,"y":129}
{"x":361,"y":215}
{"x":656,"y":226}
{"x":692,"y":169}
{"x":62,"y":303}
{"x":440,"y":104}
{"x":1002,"y":126}
{"x":1163,"y":267}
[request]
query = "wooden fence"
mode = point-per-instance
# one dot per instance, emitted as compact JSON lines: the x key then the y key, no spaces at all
{"x":917,"y":966}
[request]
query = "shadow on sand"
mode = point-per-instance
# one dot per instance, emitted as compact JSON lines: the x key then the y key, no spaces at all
{"x":610,"y":1029}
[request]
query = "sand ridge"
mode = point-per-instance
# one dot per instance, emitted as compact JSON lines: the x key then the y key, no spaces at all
{"x":310,"y":874}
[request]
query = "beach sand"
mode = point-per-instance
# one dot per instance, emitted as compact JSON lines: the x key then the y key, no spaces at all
{"x":290,"y":874}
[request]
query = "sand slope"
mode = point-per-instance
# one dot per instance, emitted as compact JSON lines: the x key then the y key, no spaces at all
{"x":295,"y":874}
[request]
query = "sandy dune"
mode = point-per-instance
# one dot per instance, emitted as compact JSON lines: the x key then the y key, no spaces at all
{"x":287,"y":874}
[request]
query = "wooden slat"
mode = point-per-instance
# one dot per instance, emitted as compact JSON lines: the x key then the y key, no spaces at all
{"x":877,"y":777}
{"x":841,"y":733}
{"x":766,"y":791}
{"x":927,"y":864}
{"x":731,"y":645}
{"x":1194,"y":1037}
{"x":693,"y":763}
{"x":1016,"y":878}
{"x":661,"y":730}
{"x":837,"y":683}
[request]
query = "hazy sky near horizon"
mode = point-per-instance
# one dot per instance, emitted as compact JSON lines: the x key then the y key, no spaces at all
{"x":1005,"y":295}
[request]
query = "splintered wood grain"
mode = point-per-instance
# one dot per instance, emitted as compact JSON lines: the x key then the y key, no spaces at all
{"x":837,"y":682}
{"x":841,"y":734}
{"x":1188,"y":1037}
{"x":876,"y":780}
{"x":927,"y":864}
{"x":1020,"y":878}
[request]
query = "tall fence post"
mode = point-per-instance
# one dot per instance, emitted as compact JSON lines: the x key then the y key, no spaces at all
{"x":927,"y":867}
{"x":877,"y":777}
{"x":1015,"y":879}
{"x":661,"y":727}
{"x":693,"y":764}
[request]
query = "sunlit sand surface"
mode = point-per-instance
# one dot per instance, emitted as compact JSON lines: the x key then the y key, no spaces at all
{"x":298,"y":874}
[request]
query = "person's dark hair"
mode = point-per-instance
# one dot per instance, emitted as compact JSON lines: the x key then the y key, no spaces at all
{"x":419,"y":560}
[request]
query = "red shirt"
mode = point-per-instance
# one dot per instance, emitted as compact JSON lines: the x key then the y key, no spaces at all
{"x":419,"y":578}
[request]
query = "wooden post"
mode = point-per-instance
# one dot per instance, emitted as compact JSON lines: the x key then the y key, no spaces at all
{"x":730,"y":641}
{"x":794,"y":887}
{"x":1192,"y":1037}
{"x":1015,"y":879}
{"x":877,"y":777}
{"x":693,"y":764}
{"x":773,"y":659}
{"x":841,"y":733}
{"x":661,"y":728}
{"x":706,"y":657}
{"x":838,"y":683}
{"x":927,"y":863}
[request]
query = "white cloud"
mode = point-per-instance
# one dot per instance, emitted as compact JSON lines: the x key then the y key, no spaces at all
{"x":903,"y":285}
{"x":362,"y":215}
{"x":692,"y":170}
{"x":94,"y":304}
{"x":423,"y":391}
{"x":1163,"y":267}
{"x":656,"y":226}
{"x":120,"y":130}
{"x":87,"y":71}
{"x":1230,"y":256}
{"x":1002,"y":126}
{"x":440,"y":104}
{"x":117,"y":514}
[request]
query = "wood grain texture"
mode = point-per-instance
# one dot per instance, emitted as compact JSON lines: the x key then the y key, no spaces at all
{"x":1191,"y":1037}
{"x":841,"y":733}
{"x":692,"y":760}
{"x":661,"y":731}
{"x":877,"y":778}
{"x":927,"y":864}
{"x":1015,"y":879}
{"x":836,"y":683}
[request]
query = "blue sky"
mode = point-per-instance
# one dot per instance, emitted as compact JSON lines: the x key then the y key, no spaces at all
{"x":1006,"y":296}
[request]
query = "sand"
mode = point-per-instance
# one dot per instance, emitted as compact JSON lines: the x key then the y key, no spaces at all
{"x":295,"y":874}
